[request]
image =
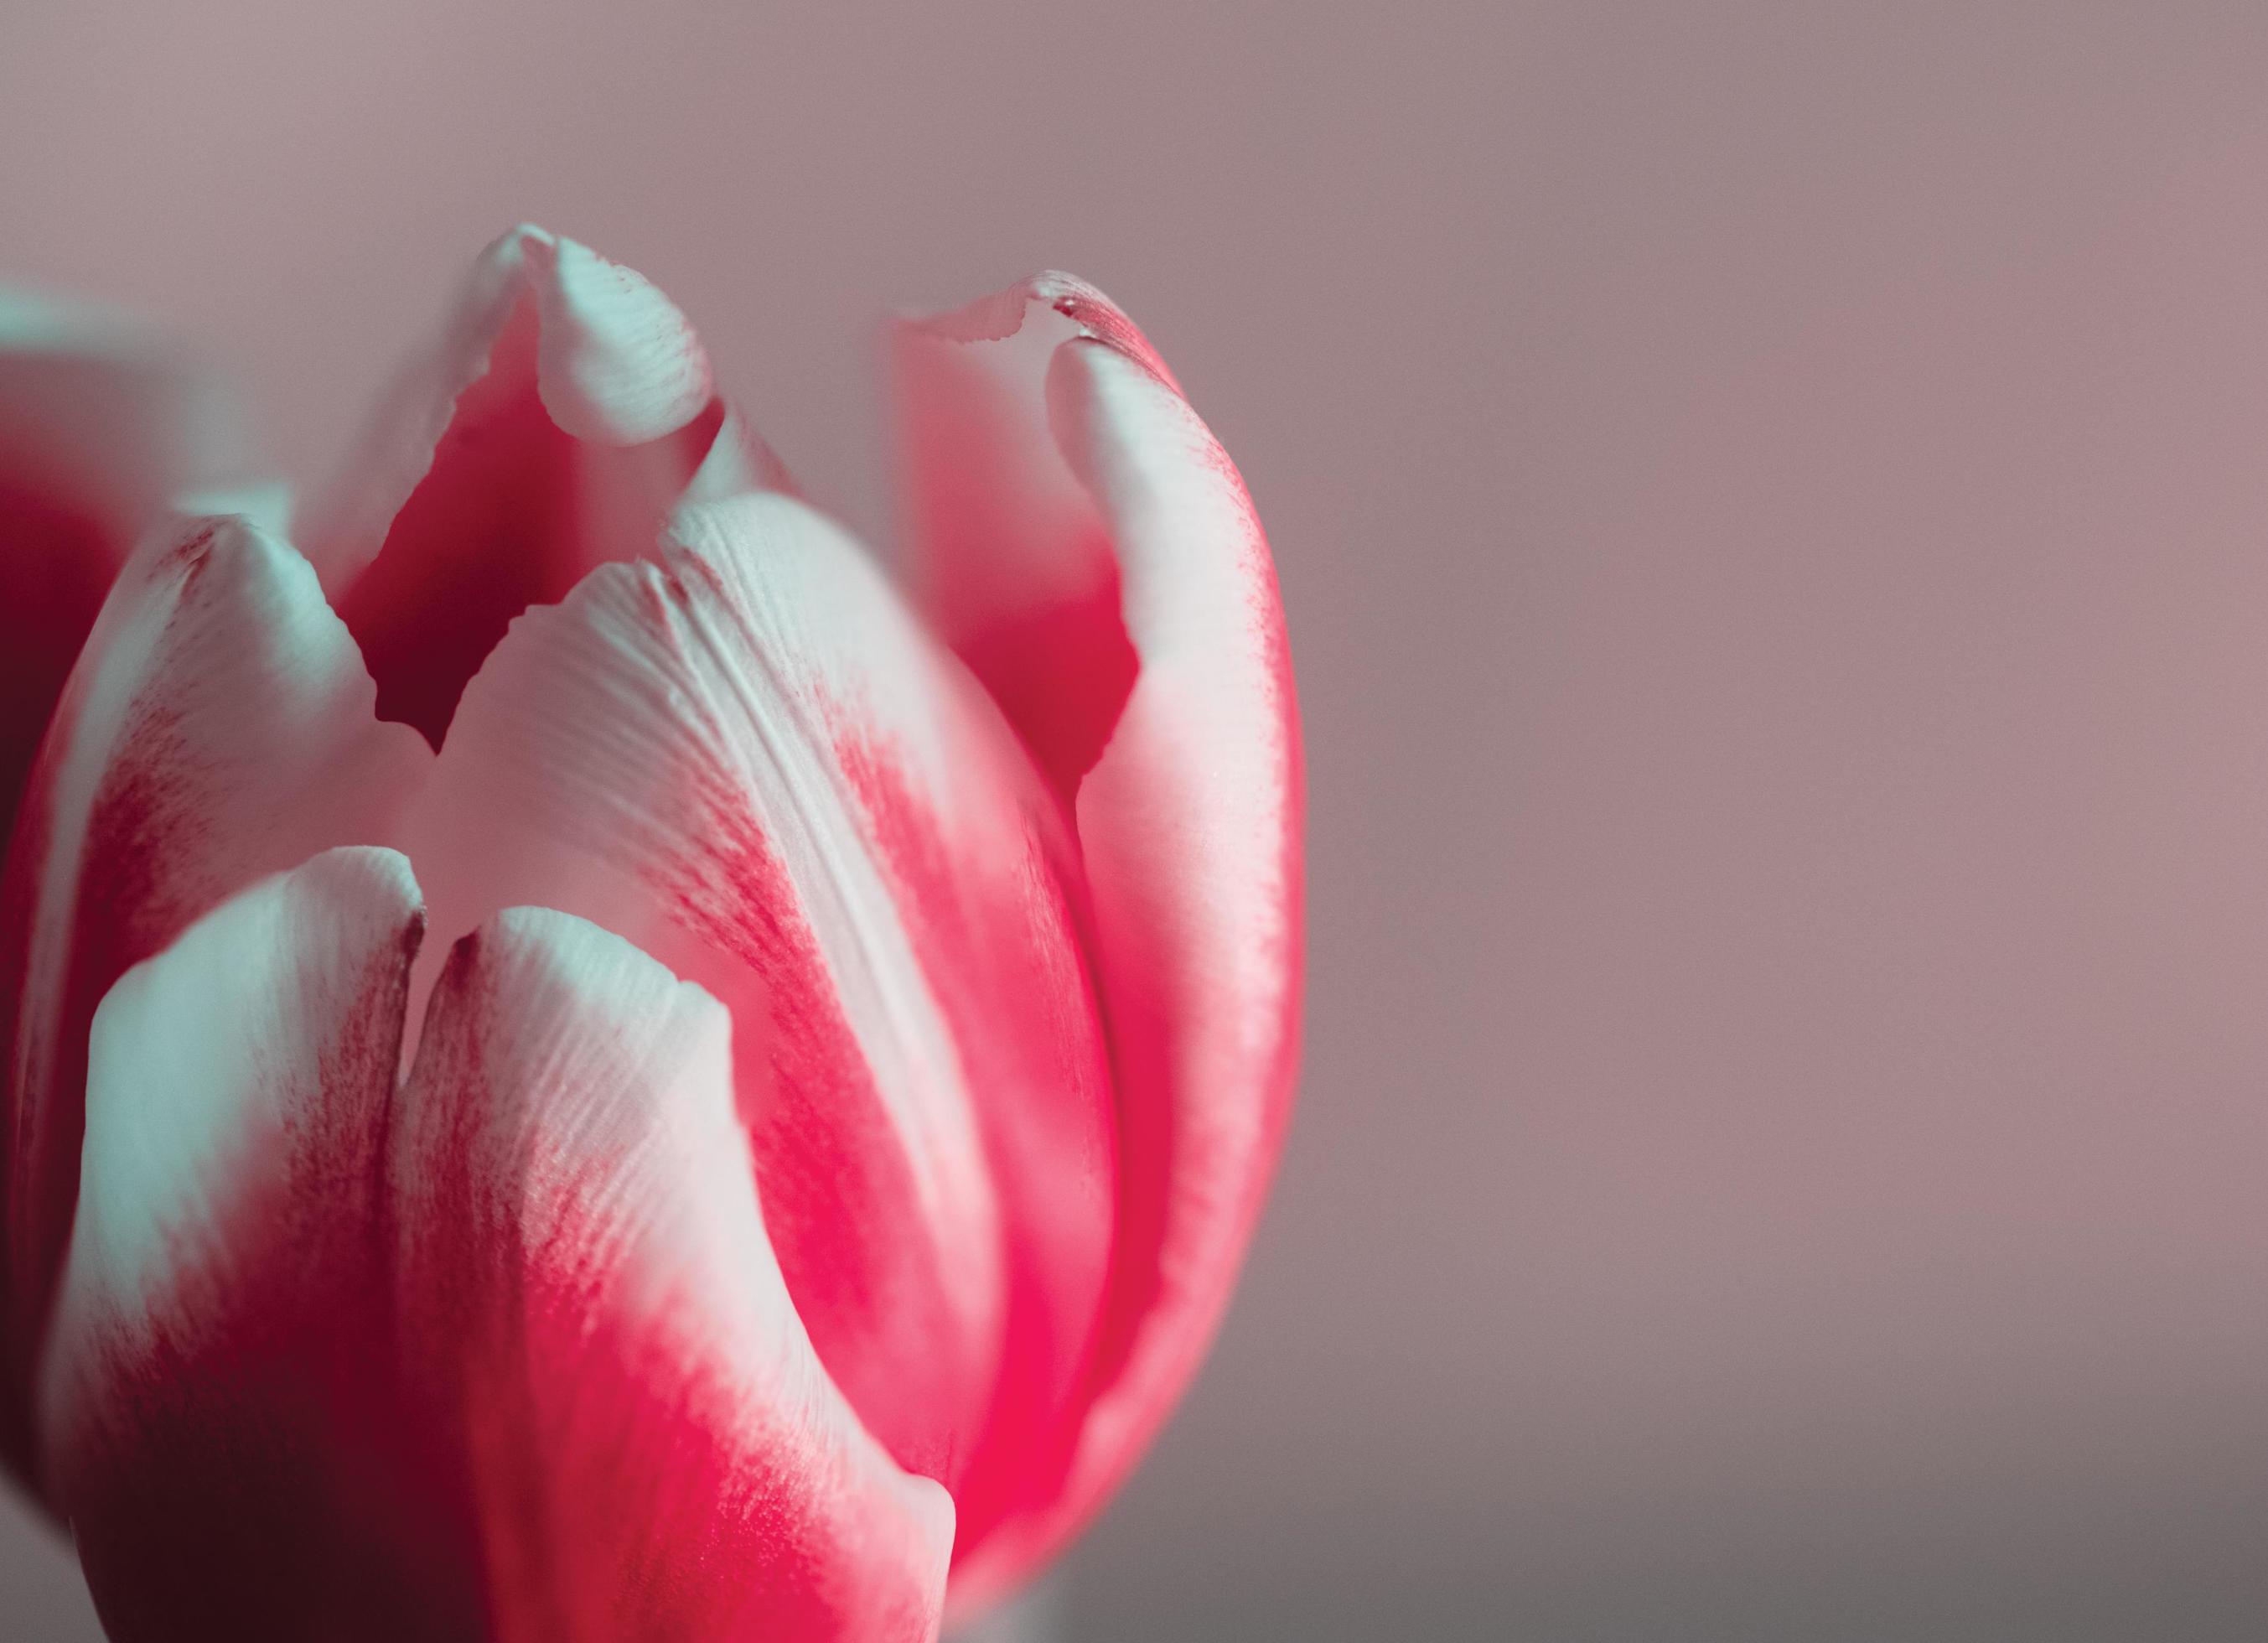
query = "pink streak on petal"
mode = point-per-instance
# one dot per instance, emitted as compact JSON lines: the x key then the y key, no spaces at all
{"x":990,"y":909}
{"x":218,"y":726}
{"x":592,"y":1317}
{"x":219,"y":1416}
{"x":1094,"y":482}
{"x":754,"y":763}
{"x":502,"y":1355}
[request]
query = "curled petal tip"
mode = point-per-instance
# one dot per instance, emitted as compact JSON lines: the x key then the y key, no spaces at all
{"x":554,"y":421}
{"x":1003,"y":313}
{"x":618,"y":362}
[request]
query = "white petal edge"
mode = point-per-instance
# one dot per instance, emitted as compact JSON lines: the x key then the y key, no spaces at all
{"x":208,"y":1065}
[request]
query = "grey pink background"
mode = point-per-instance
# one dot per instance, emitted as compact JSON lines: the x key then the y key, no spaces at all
{"x":1773,"y":506}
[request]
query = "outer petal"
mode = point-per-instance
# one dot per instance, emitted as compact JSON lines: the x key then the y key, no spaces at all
{"x":217,"y":727}
{"x":217,"y":1402}
{"x":503,"y":1358}
{"x":552,"y":426}
{"x":98,"y":428}
{"x":1102,"y":489}
{"x":593,"y":1317}
{"x":751,"y":761}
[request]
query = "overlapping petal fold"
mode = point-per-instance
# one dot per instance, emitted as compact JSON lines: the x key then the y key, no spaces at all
{"x":218,"y":726}
{"x":502,"y":1353}
{"x":219,"y":1418}
{"x":749,"y":759}
{"x":560,"y":414}
{"x":595,"y":1324}
{"x":1083,"y":540}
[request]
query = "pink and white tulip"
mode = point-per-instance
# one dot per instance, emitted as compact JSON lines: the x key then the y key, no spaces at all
{"x":578,"y":1064}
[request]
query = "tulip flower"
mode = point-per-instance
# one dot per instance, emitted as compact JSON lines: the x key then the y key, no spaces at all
{"x":581,"y":1062}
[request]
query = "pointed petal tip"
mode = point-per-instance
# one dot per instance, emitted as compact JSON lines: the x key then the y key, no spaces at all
{"x":615,"y":364}
{"x":374,"y":873}
{"x":618,"y":362}
{"x":265,"y":503}
{"x":553,"y":953}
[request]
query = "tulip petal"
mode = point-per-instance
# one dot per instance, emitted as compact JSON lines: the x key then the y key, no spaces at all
{"x":217,"y":727}
{"x":1065,"y":492}
{"x":505,"y":1356}
{"x":592,"y":1312}
{"x":1012,"y":561}
{"x":216,"y":1390}
{"x":98,"y":427}
{"x":552,"y":426}
{"x":750,"y":760}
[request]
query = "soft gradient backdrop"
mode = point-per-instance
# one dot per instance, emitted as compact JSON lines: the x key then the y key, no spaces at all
{"x":1773,"y":505}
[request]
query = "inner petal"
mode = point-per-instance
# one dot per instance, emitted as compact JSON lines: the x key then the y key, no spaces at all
{"x":512,"y":512}
{"x":750,"y":760}
{"x":1012,"y":561}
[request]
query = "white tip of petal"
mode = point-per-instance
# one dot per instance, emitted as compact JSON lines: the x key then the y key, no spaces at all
{"x":614,"y":365}
{"x":618,"y":364}
{"x":193,"y":1053}
{"x":265,"y":505}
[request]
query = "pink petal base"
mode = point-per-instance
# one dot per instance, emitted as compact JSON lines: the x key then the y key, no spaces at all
{"x":502,"y":1357}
